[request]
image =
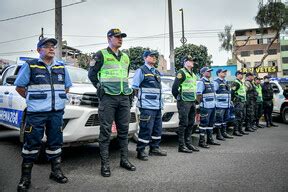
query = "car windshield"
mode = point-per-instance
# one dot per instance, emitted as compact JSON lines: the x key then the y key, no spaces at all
{"x":78,"y":75}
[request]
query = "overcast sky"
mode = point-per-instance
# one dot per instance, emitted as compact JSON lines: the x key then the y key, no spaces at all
{"x":137,"y":18}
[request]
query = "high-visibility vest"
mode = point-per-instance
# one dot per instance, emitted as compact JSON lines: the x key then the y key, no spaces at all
{"x":259,"y":91}
{"x":113,"y":75}
{"x":188,"y":86}
{"x":241,"y":92}
{"x":46,"y":90}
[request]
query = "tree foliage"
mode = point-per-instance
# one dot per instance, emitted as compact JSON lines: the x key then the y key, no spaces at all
{"x":83,"y":60}
{"x":198,"y":52}
{"x":136,"y":56}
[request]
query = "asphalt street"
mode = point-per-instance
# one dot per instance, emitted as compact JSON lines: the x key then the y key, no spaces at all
{"x":257,"y":162}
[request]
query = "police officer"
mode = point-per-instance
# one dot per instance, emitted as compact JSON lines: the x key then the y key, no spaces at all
{"x":238,"y":95}
{"x":147,"y":86}
{"x":267,"y":93}
{"x":109,"y":74}
{"x":44,"y":83}
{"x":223,"y":103}
{"x":259,"y":102}
{"x":206,"y":97}
{"x":251,"y":95}
{"x":184,"y":90}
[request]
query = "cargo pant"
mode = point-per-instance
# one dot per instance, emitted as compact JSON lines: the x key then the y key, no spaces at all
{"x":240,"y":115}
{"x":250,"y":113}
{"x":150,"y":129}
{"x":207,"y":119}
{"x":35,"y":126}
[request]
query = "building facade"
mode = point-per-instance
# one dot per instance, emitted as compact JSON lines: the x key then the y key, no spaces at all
{"x":250,"y":46}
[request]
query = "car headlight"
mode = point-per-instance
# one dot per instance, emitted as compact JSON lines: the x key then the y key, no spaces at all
{"x":168,"y":98}
{"x":74,"y":99}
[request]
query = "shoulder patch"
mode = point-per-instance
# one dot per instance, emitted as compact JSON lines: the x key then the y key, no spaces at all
{"x":179,"y":76}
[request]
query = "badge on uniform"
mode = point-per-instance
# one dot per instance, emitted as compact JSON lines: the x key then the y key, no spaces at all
{"x":179,"y":76}
{"x":60,"y":77}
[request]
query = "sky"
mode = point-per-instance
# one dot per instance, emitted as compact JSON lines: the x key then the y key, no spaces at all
{"x":85,"y":25}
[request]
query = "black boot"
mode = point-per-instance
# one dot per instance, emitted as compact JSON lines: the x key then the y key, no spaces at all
{"x":25,"y":180}
{"x":248,"y":129}
{"x":184,"y":149}
{"x":124,"y":163}
{"x":237,"y":133}
{"x":224,"y":133}
{"x":210,"y":140}
{"x":192,"y":147}
{"x":142,"y":155}
{"x":202,"y":142}
{"x":218,"y":134}
{"x":56,"y":172}
{"x":188,"y":139}
{"x":105,"y":169}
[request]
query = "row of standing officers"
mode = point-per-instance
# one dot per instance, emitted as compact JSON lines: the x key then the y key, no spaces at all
{"x":45,"y":82}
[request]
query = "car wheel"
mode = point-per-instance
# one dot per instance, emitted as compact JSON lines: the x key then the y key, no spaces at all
{"x":284,"y":114}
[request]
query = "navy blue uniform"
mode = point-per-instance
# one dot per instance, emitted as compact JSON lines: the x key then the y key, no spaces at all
{"x":45,"y":98}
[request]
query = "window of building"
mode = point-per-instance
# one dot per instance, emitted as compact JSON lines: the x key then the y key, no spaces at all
{"x":284,"y":48}
{"x":245,"y":53}
{"x":272,"y":63}
{"x":272,"y":51}
{"x":285,"y":72}
{"x":257,"y":63}
{"x":258,"y":52}
{"x":259,"y":41}
{"x":284,"y":59}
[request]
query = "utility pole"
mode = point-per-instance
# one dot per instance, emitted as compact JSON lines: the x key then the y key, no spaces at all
{"x":42,"y":34}
{"x":183,"y":40}
{"x":58,"y":28}
{"x":171,"y":38}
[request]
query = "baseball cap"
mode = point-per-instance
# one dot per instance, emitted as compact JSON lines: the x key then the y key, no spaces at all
{"x":45,"y":40}
{"x":115,"y":32}
{"x":239,"y":72}
{"x":220,"y":71}
{"x":205,"y":69}
{"x":249,"y":74}
{"x":148,"y":53}
{"x":188,"y":58}
{"x":267,"y":77}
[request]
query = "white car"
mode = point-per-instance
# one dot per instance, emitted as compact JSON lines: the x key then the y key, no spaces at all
{"x":81,"y":122}
{"x":280,"y":102}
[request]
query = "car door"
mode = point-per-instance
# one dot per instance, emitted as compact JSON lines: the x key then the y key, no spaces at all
{"x":12,"y":104}
{"x":276,"y":93}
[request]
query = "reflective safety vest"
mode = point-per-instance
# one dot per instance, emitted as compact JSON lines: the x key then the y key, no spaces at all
{"x":188,"y":86}
{"x":208,"y":95}
{"x":149,"y":94}
{"x":46,"y":90}
{"x":259,"y":91}
{"x":114,"y":74}
{"x":223,"y":94}
{"x":241,"y":92}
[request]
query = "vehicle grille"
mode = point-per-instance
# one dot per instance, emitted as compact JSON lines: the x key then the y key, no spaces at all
{"x":90,"y":99}
{"x":167,"y":116}
{"x":94,"y":120}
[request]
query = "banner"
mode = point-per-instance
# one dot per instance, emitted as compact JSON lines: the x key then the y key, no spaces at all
{"x":264,"y":69}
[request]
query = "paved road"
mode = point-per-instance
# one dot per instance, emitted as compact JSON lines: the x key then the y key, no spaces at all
{"x":257,"y":162}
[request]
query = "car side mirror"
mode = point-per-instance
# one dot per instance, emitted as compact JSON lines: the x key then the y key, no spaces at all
{"x":11,"y":79}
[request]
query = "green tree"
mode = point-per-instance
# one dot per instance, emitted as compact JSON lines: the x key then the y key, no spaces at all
{"x":136,"y":56}
{"x":275,"y":15}
{"x":198,"y":52}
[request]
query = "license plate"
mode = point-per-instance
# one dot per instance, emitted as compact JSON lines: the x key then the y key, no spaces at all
{"x":114,"y":128}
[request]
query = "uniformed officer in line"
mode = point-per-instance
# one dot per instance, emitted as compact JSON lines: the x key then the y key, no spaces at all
{"x":238,"y":95}
{"x":109,"y":74}
{"x":267,"y":93}
{"x":223,"y":104}
{"x":147,"y":87}
{"x":184,"y":90}
{"x":44,"y":83}
{"x":206,"y":97}
{"x":251,"y":96}
{"x":259,"y":102}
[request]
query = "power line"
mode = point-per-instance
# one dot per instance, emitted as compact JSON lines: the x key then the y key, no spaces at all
{"x":40,"y":12}
{"x":9,"y":41}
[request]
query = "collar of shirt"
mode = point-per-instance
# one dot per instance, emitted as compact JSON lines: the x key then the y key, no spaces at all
{"x":222,"y":79}
{"x":112,"y":52}
{"x":52,"y":64}
{"x":149,"y":66}
{"x":206,"y":79}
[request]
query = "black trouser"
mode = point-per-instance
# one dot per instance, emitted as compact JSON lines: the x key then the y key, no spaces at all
{"x":258,"y":111}
{"x":250,"y":113}
{"x":240,"y":114}
{"x":268,"y":109}
{"x":186,"y":111}
{"x":114,"y":108}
